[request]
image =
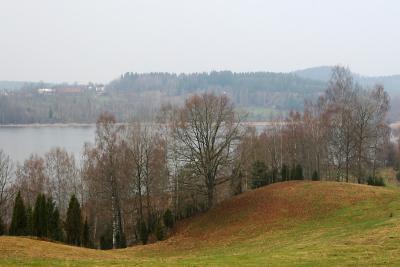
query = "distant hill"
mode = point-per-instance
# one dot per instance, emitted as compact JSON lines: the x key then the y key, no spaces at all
{"x":323,"y":74}
{"x":262,"y":95}
{"x":298,"y":223}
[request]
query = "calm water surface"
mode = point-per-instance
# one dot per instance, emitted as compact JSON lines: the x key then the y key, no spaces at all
{"x":21,"y":141}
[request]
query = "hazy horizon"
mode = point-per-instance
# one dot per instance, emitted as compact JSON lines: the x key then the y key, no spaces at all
{"x":99,"y":40}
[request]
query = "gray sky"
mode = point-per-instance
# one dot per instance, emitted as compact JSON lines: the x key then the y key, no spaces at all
{"x":97,"y":40}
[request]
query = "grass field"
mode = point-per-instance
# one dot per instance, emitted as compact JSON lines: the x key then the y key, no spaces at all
{"x":285,"y":224}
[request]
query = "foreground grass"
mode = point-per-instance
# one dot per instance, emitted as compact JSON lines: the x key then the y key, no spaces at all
{"x":359,"y":227}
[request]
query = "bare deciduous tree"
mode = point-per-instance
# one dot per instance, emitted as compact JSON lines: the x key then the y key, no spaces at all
{"x":204,"y":129}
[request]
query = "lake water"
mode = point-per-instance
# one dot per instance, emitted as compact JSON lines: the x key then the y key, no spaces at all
{"x":21,"y":141}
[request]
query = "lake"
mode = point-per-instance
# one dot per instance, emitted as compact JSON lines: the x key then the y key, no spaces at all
{"x":21,"y":141}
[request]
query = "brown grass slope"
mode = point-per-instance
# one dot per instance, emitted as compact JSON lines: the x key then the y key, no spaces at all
{"x":255,"y":213}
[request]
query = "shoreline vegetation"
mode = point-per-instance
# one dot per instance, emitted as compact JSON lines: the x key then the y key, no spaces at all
{"x":393,"y":125}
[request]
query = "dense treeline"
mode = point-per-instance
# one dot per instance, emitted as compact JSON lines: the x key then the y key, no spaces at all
{"x":143,"y":94}
{"x":137,"y":179}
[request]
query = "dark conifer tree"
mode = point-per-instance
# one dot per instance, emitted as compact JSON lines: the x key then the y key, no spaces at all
{"x":143,"y":232}
{"x":40,"y":216}
{"x":168,"y":219}
{"x":285,"y":173}
{"x":259,"y":174}
{"x":19,"y":220}
{"x":315,"y":176}
{"x":55,"y":229}
{"x":293,"y":173}
{"x":29,"y":221}
{"x":2,"y":229}
{"x":86,"y":234}
{"x":73,"y":223}
{"x":299,"y":172}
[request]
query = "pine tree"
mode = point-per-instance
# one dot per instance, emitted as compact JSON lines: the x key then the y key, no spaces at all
{"x":73,"y":223}
{"x":285,"y":173}
{"x":293,"y":173}
{"x":259,"y":174}
{"x":53,"y":221}
{"x":19,"y":221}
{"x":299,"y":172}
{"x":159,"y":231}
{"x":55,"y":229}
{"x":2,"y":228}
{"x":315,"y":176}
{"x":40,"y":216}
{"x":86,"y":234}
{"x":29,"y":221}
{"x":143,"y":232}
{"x":168,"y":218}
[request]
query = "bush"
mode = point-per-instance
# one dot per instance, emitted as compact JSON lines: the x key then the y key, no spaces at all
{"x":285,"y":173}
{"x":168,"y":218}
{"x":2,"y":228}
{"x":121,"y":240}
{"x":106,"y":239}
{"x":143,"y":232}
{"x":159,"y":231}
{"x":299,"y":172}
{"x":377,"y":181}
{"x":315,"y":176}
{"x":259,"y":174}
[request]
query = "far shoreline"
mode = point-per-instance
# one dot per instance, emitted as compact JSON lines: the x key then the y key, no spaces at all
{"x":393,"y":125}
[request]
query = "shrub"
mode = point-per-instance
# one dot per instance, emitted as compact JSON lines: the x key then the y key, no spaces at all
{"x":143,"y":232}
{"x":259,"y":174}
{"x":285,"y":173}
{"x":377,"y":181}
{"x":106,"y":239}
{"x":121,"y":240}
{"x":2,"y":228}
{"x":168,"y":218}
{"x":299,"y":172}
{"x":159,"y":231}
{"x":86,"y":234}
{"x":315,"y":176}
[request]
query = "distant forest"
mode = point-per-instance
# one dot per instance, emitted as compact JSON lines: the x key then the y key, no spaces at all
{"x":261,"y":94}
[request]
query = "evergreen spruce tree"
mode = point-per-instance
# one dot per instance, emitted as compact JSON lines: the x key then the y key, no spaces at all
{"x":86,"y":234}
{"x":55,"y":228}
{"x":2,"y":227}
{"x":143,"y":232}
{"x":40,"y":216}
{"x":29,"y":221}
{"x":19,"y":221}
{"x":299,"y":172}
{"x":73,"y":223}
{"x":293,"y":173}
{"x":259,"y":174}
{"x":285,"y":173}
{"x":168,"y":219}
{"x":315,"y":176}
{"x":159,"y":231}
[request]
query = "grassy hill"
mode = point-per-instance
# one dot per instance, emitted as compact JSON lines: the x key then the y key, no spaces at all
{"x":284,"y":224}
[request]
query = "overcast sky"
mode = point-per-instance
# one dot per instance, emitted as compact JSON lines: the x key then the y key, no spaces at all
{"x":97,"y":40}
